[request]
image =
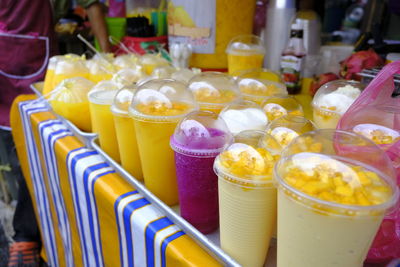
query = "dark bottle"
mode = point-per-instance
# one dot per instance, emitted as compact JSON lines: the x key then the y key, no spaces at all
{"x":292,"y":59}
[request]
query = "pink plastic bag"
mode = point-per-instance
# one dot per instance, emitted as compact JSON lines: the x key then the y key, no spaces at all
{"x":376,"y":105}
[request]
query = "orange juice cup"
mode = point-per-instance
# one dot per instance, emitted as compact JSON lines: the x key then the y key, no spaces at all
{"x":245,"y":52}
{"x":214,"y":90}
{"x":126,"y":134}
{"x":156,"y":108}
{"x":103,"y":122}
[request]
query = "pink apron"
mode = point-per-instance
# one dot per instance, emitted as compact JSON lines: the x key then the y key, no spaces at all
{"x":26,"y":43}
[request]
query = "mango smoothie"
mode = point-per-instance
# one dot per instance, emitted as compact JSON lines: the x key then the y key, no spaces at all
{"x":332,"y":100}
{"x":152,"y":61}
{"x":213,"y":90}
{"x":279,"y":105}
{"x":48,"y":78}
{"x":247,"y":198}
{"x":245,"y":52}
{"x":69,"y":100}
{"x":156,"y":108}
{"x":103,"y":122}
{"x":100,"y":70}
{"x":126,"y":61}
{"x":126,"y":134}
{"x":257,"y":90}
{"x":128,"y":77}
{"x":330,"y":205}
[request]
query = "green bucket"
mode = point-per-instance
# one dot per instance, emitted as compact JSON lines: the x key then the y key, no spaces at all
{"x":116,"y":28}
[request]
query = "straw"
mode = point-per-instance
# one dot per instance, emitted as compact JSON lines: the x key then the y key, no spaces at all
{"x":122,"y":46}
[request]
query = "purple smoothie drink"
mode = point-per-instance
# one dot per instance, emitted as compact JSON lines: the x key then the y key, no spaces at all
{"x":197,"y":140}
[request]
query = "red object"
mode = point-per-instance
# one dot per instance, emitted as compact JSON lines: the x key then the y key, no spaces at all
{"x":143,"y":45}
{"x":320,"y":80}
{"x":357,"y":62}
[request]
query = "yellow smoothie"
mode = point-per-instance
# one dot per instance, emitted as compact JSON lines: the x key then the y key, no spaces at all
{"x":126,"y":133}
{"x":156,"y":108}
{"x":103,"y":121}
{"x":247,"y":201}
{"x":257,"y":90}
{"x":329,"y":210}
{"x":69,"y":68}
{"x":281,"y":105}
{"x":237,"y":62}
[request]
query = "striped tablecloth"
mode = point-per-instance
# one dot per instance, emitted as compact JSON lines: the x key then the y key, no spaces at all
{"x":88,"y":215}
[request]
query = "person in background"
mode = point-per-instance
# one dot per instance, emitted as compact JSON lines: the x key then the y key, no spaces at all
{"x":27,"y":41}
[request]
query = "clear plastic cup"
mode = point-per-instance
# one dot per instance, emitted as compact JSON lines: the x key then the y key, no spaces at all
{"x":100,"y":70}
{"x":334,"y":188}
{"x":163,"y":72}
{"x":247,"y":196}
{"x":69,"y":100}
{"x":245,"y":52}
{"x":257,"y":90}
{"x":126,"y":134}
{"x":103,"y":122}
{"x":244,"y":115}
{"x":156,"y":109}
{"x":185,"y":75}
{"x":332,"y":100}
{"x":213,"y":90}
{"x":69,"y":67}
{"x":259,"y":73}
{"x":280,"y":105}
{"x":288,"y":127}
{"x":197,"y":140}
{"x":152,"y":61}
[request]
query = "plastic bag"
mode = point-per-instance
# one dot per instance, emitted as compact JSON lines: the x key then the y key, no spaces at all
{"x":376,"y":115}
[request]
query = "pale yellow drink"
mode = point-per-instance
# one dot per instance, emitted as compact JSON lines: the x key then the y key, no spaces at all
{"x":150,"y":62}
{"x":156,"y":108}
{"x":280,"y":105}
{"x":330,"y":207}
{"x":257,"y":90}
{"x":247,"y":200}
{"x":103,"y":121}
{"x":214,"y":91}
{"x":245,"y":52}
{"x":48,"y":79}
{"x":126,"y":133}
{"x":69,"y":68}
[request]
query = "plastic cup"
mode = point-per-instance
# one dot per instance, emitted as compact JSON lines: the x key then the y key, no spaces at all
{"x":150,"y":62}
{"x":103,"y":122}
{"x":69,"y":100}
{"x":334,"y":188}
{"x":245,"y":52}
{"x":288,"y":127}
{"x":163,"y":72}
{"x":259,"y":73}
{"x":126,"y":61}
{"x":128,"y":77}
{"x":244,"y":115}
{"x":247,"y":197}
{"x":69,"y":67}
{"x":126,"y":134}
{"x":280,"y":105}
{"x":197,"y":140}
{"x":213,"y":90}
{"x":156,"y":109}
{"x":48,"y":78}
{"x":100,"y":70}
{"x":257,"y":90}
{"x":332,"y":100}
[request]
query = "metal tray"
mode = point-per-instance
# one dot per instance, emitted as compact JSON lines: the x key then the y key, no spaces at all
{"x":89,"y":139}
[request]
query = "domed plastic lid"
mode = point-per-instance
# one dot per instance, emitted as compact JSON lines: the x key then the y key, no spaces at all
{"x":379,"y":134}
{"x":122,"y":101}
{"x":342,"y":172}
{"x":214,"y":88}
{"x":128,"y":77}
{"x":162,"y":100}
{"x":126,"y":61}
{"x":337,"y":96}
{"x":280,"y":105}
{"x":244,"y":115}
{"x":201,"y":134}
{"x":73,"y":90}
{"x":185,"y":75}
{"x":100,"y":67}
{"x":53,"y":62}
{"x":259,"y":73}
{"x":246,"y":44}
{"x":104,"y":85}
{"x":288,"y":127}
{"x":260,"y":87}
{"x":248,"y":161}
{"x":163,"y":72}
{"x":71,"y":65}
